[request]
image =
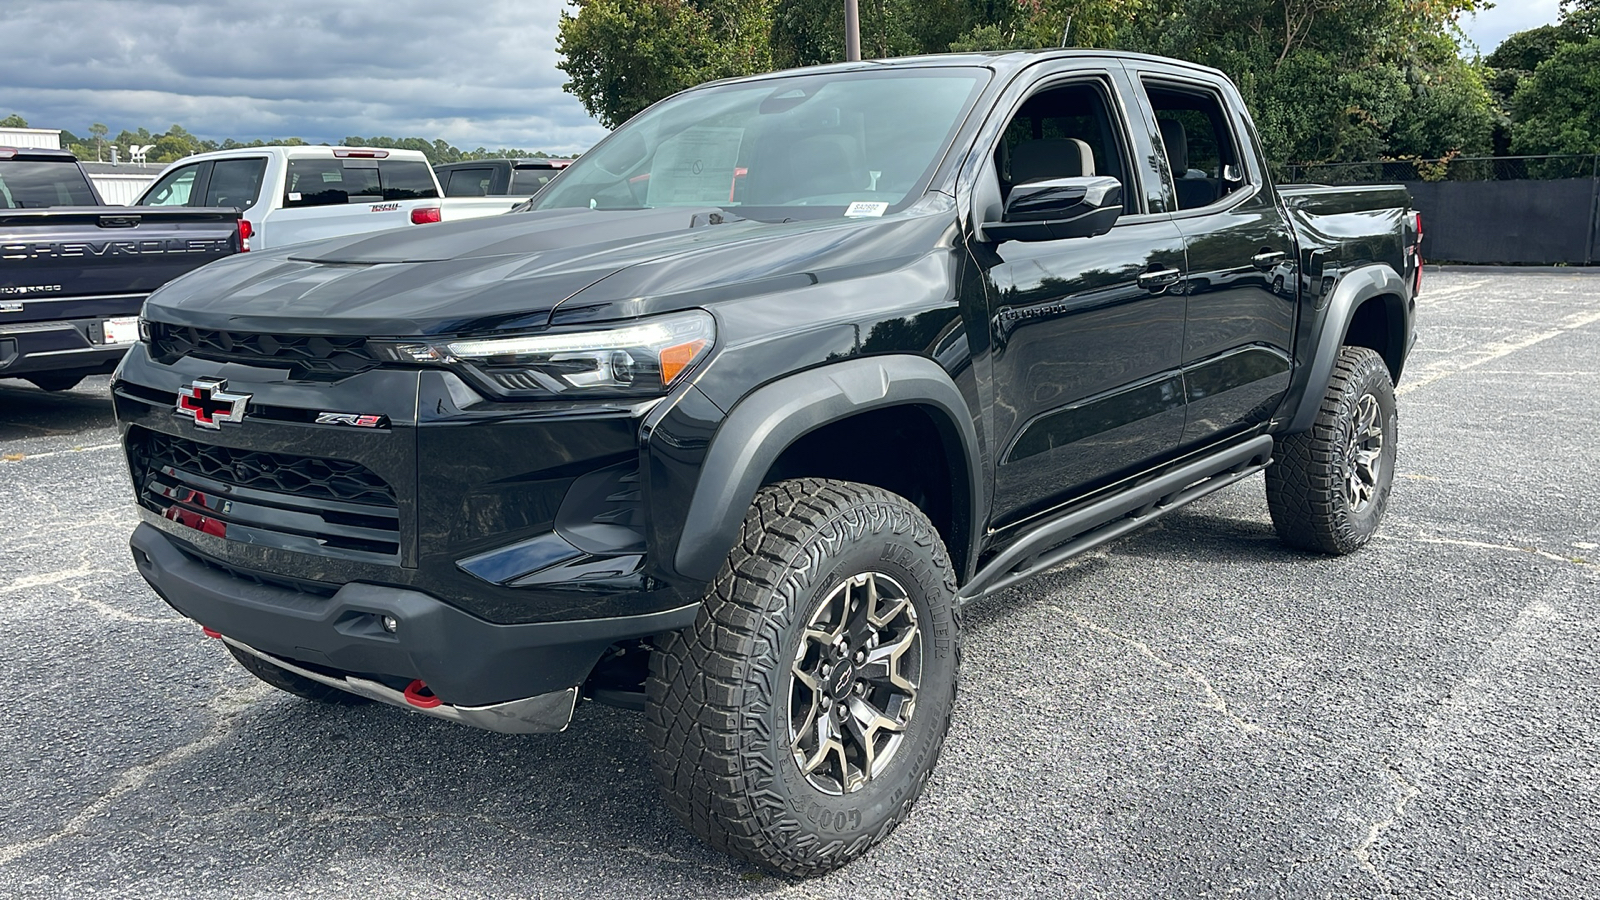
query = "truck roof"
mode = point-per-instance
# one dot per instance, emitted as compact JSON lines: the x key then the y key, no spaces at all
{"x":302,"y":151}
{"x":1003,"y":61}
{"x":37,"y":154}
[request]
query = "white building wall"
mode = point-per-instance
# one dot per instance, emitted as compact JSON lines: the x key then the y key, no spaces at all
{"x":44,"y":138}
{"x":121,"y":190}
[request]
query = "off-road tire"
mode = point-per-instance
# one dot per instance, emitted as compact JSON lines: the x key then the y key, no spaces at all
{"x":1306,"y":485}
{"x":285,"y":680}
{"x":55,"y":382}
{"x":719,"y":694}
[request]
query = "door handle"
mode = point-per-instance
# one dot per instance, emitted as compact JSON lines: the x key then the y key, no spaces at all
{"x":1266,"y":259}
{"x":1159,"y":279}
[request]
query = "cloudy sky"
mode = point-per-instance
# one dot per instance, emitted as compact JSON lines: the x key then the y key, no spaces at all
{"x":1488,"y":28}
{"x":475,"y":74}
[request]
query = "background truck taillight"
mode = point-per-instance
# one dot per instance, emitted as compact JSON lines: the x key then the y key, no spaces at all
{"x":425,"y":215}
{"x":246,"y":230}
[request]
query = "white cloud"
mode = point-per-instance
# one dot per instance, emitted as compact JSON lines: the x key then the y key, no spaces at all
{"x":479,"y":74}
{"x":1491,"y":26}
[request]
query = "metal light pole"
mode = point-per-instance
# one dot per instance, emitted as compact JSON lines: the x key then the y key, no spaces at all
{"x":852,"y":30}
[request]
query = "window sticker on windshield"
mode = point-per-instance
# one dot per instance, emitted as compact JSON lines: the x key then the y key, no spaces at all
{"x":294,"y":196}
{"x":865,"y":208}
{"x":695,"y":166}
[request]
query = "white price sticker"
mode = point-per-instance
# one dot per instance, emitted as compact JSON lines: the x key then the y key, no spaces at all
{"x":121,"y":331}
{"x":862,"y":209}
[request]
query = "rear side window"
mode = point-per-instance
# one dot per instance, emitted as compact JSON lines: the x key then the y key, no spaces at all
{"x":235,"y":183}
{"x":468,"y":183}
{"x":529,"y":179}
{"x":27,"y":184}
{"x":1201,"y":150}
{"x":315,"y":181}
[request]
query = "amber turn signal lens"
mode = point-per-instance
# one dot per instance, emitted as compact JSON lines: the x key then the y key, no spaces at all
{"x":675,"y":360}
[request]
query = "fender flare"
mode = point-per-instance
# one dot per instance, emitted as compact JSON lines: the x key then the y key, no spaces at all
{"x":770,"y":419}
{"x":1354,"y":288}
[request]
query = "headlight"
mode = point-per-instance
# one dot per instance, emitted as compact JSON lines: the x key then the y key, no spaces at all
{"x":641,"y":358}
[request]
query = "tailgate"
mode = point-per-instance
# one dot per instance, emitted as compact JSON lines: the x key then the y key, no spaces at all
{"x":68,"y":253}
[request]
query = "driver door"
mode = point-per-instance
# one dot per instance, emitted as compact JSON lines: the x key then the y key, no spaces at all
{"x":1087,"y":333}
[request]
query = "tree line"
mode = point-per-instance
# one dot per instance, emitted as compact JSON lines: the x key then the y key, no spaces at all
{"x":177,"y":142}
{"x":1326,"y":80}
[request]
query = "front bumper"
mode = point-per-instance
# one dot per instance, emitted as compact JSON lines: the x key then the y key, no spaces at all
{"x":466,"y":661}
{"x":77,"y":345}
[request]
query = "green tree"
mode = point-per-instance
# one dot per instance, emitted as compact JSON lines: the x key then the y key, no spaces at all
{"x":623,"y":55}
{"x":98,"y":132}
{"x":1333,"y":80}
{"x":1557,"y":108}
{"x":13,"y":121}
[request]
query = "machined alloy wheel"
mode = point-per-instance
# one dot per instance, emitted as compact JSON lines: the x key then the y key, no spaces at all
{"x":1328,"y":487}
{"x":853,"y":686}
{"x":799,"y":719}
{"x":1363,"y":454}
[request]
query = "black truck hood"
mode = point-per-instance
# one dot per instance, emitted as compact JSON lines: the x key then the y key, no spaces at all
{"x":509,"y":271}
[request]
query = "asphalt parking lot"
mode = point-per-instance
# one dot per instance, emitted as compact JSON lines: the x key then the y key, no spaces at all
{"x":1192,"y":711}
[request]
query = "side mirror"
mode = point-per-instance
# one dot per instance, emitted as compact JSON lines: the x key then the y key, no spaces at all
{"x":1058,"y":208}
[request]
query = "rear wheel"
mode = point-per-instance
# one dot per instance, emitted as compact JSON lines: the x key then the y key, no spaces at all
{"x":799,"y":720}
{"x":285,"y":680}
{"x":1329,"y":486}
{"x":55,"y":382}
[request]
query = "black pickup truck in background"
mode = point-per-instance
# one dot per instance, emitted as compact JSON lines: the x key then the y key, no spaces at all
{"x":498,"y":177}
{"x":73,"y":271}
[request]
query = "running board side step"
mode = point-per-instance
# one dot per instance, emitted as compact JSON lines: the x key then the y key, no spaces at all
{"x":1060,"y":539}
{"x":540,"y":714}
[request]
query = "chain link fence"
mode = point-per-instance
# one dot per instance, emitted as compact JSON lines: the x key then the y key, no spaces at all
{"x":1514,"y":210}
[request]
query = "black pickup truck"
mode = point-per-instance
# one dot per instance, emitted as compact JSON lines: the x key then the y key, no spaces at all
{"x":731,"y":424}
{"x":73,"y":272}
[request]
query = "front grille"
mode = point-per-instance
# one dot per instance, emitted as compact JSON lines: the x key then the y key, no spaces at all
{"x":302,"y":503}
{"x":312,"y":353}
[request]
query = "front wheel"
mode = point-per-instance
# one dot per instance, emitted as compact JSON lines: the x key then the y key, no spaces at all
{"x":1329,"y":486}
{"x":799,"y":720}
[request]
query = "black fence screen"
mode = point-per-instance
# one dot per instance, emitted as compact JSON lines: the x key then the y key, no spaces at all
{"x":1525,"y":210}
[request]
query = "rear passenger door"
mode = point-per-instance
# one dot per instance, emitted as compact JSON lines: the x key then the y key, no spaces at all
{"x":1087,"y":333}
{"x":1241,"y":284}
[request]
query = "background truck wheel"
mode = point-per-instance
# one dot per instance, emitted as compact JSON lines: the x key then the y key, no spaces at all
{"x":797,"y":722}
{"x":285,"y":680}
{"x":1329,"y":487}
{"x":55,"y":382}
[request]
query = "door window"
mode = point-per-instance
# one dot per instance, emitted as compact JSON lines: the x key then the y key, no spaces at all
{"x":468,"y":183}
{"x":1062,"y":132}
{"x":173,"y":189}
{"x":527,"y":180}
{"x":1201,"y":150}
{"x":235,"y":182}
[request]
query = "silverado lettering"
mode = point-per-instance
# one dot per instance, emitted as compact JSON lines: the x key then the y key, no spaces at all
{"x":684,"y":435}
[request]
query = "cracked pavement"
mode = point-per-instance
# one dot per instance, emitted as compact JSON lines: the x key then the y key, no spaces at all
{"x":1191,"y":711}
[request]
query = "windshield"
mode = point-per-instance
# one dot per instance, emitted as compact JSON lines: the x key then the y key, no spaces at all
{"x":852,"y":143}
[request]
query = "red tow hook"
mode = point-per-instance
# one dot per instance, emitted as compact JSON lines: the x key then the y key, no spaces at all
{"x":418,"y":695}
{"x":210,"y":632}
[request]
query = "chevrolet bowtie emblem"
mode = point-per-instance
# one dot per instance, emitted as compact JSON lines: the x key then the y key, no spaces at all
{"x":208,"y":405}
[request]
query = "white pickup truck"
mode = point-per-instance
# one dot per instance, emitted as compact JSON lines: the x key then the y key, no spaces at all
{"x":290,"y":195}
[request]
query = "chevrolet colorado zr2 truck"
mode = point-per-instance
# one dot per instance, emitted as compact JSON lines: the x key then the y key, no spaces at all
{"x":756,"y":396}
{"x":74,"y":272}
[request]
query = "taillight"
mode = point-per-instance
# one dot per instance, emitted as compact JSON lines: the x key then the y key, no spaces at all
{"x":246,"y":230}
{"x":1416,"y":288}
{"x":425,"y":215}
